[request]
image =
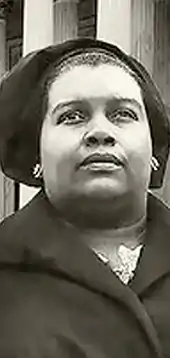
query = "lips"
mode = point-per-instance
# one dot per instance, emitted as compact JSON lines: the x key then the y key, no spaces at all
{"x":105,"y":160}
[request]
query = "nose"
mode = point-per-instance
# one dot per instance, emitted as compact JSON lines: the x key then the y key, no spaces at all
{"x":97,"y":138}
{"x":100,"y":133}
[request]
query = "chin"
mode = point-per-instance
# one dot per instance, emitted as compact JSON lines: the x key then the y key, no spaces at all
{"x":103,"y":189}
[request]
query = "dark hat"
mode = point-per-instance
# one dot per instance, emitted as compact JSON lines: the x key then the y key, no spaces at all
{"x":22,"y":112}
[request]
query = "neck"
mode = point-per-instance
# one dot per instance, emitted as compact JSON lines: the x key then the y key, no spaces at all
{"x":98,"y":216}
{"x":105,"y":228}
{"x":106,"y":241}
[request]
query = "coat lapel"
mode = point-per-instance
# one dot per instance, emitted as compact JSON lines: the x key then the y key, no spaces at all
{"x":38,"y":240}
{"x":155,"y":259}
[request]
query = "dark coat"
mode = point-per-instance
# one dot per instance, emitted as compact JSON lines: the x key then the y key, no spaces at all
{"x":58,"y":300}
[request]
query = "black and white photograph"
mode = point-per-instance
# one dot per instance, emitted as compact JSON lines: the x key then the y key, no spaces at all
{"x":84,"y":179}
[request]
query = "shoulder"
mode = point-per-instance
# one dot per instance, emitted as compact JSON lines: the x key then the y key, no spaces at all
{"x":24,"y":220}
{"x":158,"y":223}
{"x":26,"y":230}
{"x":19,"y":215}
{"x":158,"y":211}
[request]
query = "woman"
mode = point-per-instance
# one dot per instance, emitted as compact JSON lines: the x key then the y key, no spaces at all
{"x":85,"y":269}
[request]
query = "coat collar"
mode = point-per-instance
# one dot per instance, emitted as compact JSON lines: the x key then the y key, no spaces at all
{"x":34,"y":239}
{"x":35,"y":235}
{"x":154,"y":262}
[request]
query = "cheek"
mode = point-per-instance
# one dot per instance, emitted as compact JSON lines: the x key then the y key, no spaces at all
{"x":138,"y":144}
{"x":138,"y":148}
{"x":58,"y":148}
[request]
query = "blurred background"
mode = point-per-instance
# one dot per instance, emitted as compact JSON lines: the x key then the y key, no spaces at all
{"x":140,"y":27}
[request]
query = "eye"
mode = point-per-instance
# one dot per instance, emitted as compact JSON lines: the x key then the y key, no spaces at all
{"x":72,"y":117}
{"x":122,"y":115}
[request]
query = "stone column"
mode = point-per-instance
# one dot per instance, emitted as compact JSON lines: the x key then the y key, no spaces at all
{"x":2,"y":42}
{"x":6,"y":184}
{"x":38,"y":24}
{"x":142,"y":26}
{"x":114,"y":22}
{"x":65,"y":20}
{"x":2,"y":70}
{"x":161,"y":73}
{"x":37,"y":33}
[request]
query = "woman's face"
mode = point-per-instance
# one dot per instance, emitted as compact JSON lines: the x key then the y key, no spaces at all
{"x":95,"y":142}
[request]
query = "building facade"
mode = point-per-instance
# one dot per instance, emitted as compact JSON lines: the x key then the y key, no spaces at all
{"x":140,"y":27}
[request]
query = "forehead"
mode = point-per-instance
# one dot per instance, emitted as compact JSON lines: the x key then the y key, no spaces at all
{"x":87,"y":82}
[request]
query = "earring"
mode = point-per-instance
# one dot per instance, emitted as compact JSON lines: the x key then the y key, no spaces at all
{"x":154,"y":164}
{"x":37,"y":171}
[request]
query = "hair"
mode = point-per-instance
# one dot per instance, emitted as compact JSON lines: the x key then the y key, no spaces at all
{"x":90,"y":57}
{"x":95,"y":57}
{"x":26,"y":88}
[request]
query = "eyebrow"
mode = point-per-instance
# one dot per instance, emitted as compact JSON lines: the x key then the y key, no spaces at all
{"x":63,"y":104}
{"x":112,"y":100}
{"x":119,"y":100}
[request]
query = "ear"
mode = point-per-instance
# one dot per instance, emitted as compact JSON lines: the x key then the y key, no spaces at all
{"x":157,"y":177}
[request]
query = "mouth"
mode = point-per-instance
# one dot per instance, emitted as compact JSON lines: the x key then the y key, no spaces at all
{"x":102,"y":163}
